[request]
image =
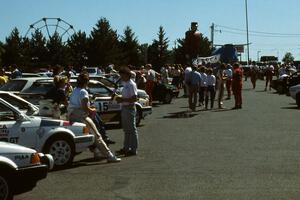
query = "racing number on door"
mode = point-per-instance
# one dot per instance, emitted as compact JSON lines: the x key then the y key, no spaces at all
{"x":103,"y":106}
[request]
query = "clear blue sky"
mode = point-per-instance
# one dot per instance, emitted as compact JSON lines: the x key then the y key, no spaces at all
{"x":145,"y":17}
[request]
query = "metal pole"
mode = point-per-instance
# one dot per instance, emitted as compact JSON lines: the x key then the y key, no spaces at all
{"x":258,"y":56}
{"x":212,"y":35}
{"x":247,"y":32}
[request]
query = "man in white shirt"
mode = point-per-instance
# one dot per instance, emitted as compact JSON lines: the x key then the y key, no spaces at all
{"x":128,"y":115}
{"x":211,"y":84}
{"x":228,"y":72}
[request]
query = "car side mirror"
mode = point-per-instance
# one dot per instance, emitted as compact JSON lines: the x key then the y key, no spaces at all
{"x":20,"y":118}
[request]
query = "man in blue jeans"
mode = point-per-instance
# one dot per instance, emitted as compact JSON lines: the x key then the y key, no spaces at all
{"x":128,"y":115}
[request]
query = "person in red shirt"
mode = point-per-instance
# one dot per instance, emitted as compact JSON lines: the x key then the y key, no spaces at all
{"x":237,"y":84}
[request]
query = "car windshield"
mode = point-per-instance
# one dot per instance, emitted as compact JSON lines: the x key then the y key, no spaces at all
{"x":91,"y":70}
{"x":14,"y":85}
{"x":107,"y":82}
{"x":21,"y":105}
{"x":39,"y":88}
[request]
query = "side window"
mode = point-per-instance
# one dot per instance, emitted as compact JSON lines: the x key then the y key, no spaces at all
{"x":97,"y":89}
{"x":6,"y":114}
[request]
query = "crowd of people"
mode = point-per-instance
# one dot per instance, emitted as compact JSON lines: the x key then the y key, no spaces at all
{"x":202,"y":84}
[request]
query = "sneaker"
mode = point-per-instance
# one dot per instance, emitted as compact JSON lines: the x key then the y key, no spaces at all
{"x":109,"y":141}
{"x":113,"y":159}
{"x":130,"y":153}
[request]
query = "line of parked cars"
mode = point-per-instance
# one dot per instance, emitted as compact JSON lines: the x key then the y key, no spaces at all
{"x":289,"y":85}
{"x":40,"y":142}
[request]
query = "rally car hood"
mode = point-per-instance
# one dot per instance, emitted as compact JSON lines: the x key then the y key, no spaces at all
{"x":9,"y":148}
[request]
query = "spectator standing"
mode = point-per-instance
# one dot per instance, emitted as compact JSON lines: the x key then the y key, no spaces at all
{"x":79,"y":110}
{"x":221,"y":81}
{"x":254,"y":74}
{"x":3,"y":77}
{"x":237,"y":83}
{"x":151,"y":78}
{"x":128,"y":115}
{"x":228,"y":73}
{"x":193,"y":81}
{"x":16,"y":73}
{"x":269,"y":76}
{"x":58,"y":96}
{"x":211,"y":91}
{"x":203,"y":85}
{"x":186,"y":86}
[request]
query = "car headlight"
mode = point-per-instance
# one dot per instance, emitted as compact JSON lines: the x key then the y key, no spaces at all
{"x":85,"y":130}
{"x":35,"y":159}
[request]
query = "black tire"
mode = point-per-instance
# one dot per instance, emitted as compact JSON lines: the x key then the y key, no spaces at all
{"x":138,"y":116}
{"x":168,"y":98}
{"x":5,"y":190}
{"x":62,"y":148}
{"x":298,"y":99}
{"x":280,"y":89}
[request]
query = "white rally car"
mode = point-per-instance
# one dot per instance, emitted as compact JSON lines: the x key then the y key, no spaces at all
{"x":295,"y":93}
{"x":57,"y":137}
{"x":21,"y":168}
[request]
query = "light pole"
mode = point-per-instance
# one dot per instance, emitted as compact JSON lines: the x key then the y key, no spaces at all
{"x":246,"y":5}
{"x":258,"y":55}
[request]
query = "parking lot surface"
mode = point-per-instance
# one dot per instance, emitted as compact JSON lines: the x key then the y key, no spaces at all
{"x":250,"y":153}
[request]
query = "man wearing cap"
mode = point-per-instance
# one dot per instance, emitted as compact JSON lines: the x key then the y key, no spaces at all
{"x":128,"y":115}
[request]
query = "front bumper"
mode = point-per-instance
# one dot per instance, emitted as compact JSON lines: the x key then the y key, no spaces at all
{"x":83,"y":142}
{"x":25,"y":179}
{"x":147,"y":110}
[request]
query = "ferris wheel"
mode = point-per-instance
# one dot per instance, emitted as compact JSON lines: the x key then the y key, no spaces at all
{"x":51,"y":26}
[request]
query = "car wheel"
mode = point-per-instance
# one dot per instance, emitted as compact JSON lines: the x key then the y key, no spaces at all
{"x":298,"y":99}
{"x":280,"y":89}
{"x":138,"y":117}
{"x":62,"y":149}
{"x":5,"y":191}
{"x":168,"y":98}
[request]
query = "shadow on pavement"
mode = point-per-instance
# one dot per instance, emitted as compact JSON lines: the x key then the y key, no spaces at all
{"x":291,"y":108}
{"x":112,"y":126}
{"x":81,"y":163}
{"x":222,"y":110}
{"x":182,"y":114}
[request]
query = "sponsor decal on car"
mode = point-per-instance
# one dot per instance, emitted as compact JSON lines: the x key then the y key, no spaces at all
{"x":4,"y":131}
{"x":46,"y":122}
{"x":21,"y":157}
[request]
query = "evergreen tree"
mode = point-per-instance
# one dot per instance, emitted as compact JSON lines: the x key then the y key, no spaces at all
{"x":179,"y":52}
{"x":78,"y":47}
{"x":12,"y":54}
{"x":158,"y":52}
{"x":38,"y":50}
{"x":130,"y":48}
{"x":288,"y":57}
{"x":57,"y":52}
{"x":1,"y":53}
{"x":103,"y":45}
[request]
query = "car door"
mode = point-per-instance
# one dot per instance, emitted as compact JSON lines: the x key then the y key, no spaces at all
{"x":16,"y":129}
{"x":108,"y":109}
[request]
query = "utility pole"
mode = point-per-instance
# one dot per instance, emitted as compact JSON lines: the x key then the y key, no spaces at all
{"x":247,"y":32}
{"x":212,"y":35}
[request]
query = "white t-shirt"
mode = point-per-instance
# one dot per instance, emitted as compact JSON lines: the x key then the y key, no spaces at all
{"x":133,"y":75}
{"x":76,"y":97}
{"x":211,"y":80}
{"x":129,"y":90}
{"x":203,"y":79}
{"x":228,"y":73}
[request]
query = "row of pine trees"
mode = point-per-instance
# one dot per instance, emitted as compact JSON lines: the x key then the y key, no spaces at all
{"x":101,"y":47}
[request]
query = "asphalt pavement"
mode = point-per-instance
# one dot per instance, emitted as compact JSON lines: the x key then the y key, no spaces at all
{"x":249,"y":153}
